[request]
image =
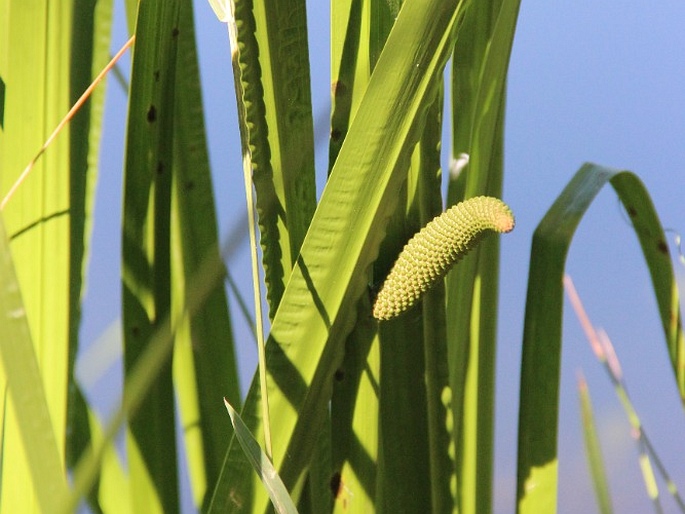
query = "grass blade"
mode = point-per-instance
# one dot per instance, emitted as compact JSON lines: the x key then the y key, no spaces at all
{"x":29,"y":404}
{"x":283,"y":504}
{"x":271,"y":89}
{"x":439,"y":411}
{"x":146,"y":249}
{"x":480,"y":63}
{"x":593,"y":449}
{"x":355,"y":402}
{"x":256,"y":152}
{"x":288,"y":115}
{"x":114,"y":488}
{"x":36,"y":72}
{"x":604,"y":351}
{"x":355,"y":418}
{"x":346,"y":24}
{"x":204,"y":357}
{"x":90,"y":48}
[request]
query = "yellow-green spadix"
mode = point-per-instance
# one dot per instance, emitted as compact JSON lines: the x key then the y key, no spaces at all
{"x":430,"y":254}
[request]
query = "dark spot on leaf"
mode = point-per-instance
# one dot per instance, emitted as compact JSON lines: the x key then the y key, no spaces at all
{"x":335,"y":135}
{"x":152,"y":114}
{"x":339,"y":375}
{"x":156,"y":75}
{"x":189,"y":185}
{"x":336,"y":480}
{"x":135,"y":331}
{"x":160,"y":167}
{"x":174,"y":32}
{"x":662,"y":246}
{"x":2,"y":103}
{"x":338,"y":89}
{"x":631,"y":211}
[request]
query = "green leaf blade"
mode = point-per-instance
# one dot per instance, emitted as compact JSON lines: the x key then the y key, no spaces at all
{"x":540,"y":368}
{"x":593,"y":450}
{"x":204,"y":357}
{"x":146,"y":248}
{"x":480,"y":66}
{"x":29,"y":405}
{"x":261,"y":464}
{"x":36,"y":74}
{"x":90,"y":50}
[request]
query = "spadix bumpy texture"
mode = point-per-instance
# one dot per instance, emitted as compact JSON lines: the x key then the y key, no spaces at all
{"x":430,"y":254}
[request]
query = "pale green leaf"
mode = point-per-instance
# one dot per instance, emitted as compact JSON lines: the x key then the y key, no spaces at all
{"x":35,"y":64}
{"x":29,"y":405}
{"x":593,"y":450}
{"x":261,"y":464}
{"x":221,"y":9}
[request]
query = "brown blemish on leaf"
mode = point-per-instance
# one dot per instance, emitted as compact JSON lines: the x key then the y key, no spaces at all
{"x":336,"y":480}
{"x":338,"y":89}
{"x":152,"y":114}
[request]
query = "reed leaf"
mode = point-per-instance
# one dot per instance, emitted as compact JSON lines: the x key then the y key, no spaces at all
{"x":146,"y":248}
{"x":35,"y":65}
{"x":479,"y":72}
{"x":540,"y":367}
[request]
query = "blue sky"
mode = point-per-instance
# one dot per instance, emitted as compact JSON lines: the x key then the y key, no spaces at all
{"x":588,"y":81}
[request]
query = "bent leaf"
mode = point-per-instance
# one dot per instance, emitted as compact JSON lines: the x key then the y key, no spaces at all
{"x":540,"y":371}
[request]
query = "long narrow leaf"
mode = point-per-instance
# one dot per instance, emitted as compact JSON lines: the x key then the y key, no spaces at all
{"x":114,"y":488}
{"x":204,"y":359}
{"x":355,"y":418}
{"x":281,"y":32}
{"x":345,"y":41}
{"x":146,"y":281}
{"x":274,"y":98}
{"x":356,"y":390}
{"x":593,"y":450}
{"x":261,"y":464}
{"x":479,"y":70}
{"x":538,"y":415}
{"x":403,"y":439}
{"x":91,"y":48}
{"x":35,"y":62}
{"x":29,"y":402}
{"x":143,"y":375}
{"x":434,"y":325}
